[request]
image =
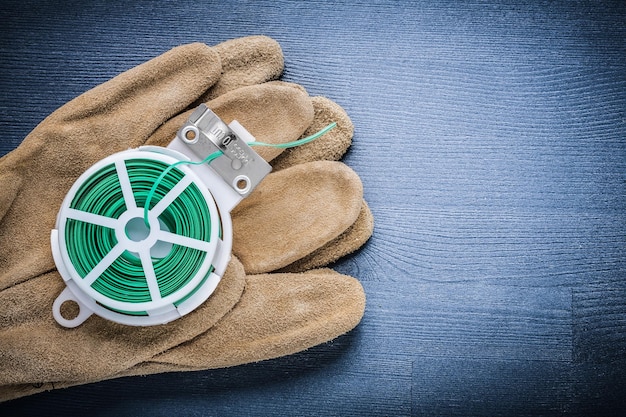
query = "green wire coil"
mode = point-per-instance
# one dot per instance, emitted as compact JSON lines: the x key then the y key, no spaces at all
{"x":125,"y":280}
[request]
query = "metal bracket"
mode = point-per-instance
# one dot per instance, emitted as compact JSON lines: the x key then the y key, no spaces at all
{"x":240,"y":166}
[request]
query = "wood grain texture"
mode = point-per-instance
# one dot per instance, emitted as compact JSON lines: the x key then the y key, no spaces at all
{"x":491,"y":140}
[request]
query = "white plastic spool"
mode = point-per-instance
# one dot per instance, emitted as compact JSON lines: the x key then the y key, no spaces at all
{"x":220,"y":198}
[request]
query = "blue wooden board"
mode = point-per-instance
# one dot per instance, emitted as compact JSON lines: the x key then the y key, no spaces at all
{"x":491,"y":140}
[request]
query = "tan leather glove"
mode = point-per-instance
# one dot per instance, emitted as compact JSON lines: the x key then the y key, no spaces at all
{"x":257,"y":316}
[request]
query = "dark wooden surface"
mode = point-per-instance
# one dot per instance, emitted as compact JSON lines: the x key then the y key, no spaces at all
{"x":491,"y":140}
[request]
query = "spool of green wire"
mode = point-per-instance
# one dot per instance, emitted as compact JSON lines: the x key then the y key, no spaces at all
{"x":125,"y":266}
{"x":139,"y":237}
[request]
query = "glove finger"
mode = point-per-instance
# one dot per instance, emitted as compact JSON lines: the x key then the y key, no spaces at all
{"x":125,"y":110}
{"x":246,"y":61}
{"x":294,"y":212}
{"x":98,"y":347}
{"x":273,"y":112}
{"x":277,"y":315}
{"x":330,"y":146}
{"x":349,"y":241}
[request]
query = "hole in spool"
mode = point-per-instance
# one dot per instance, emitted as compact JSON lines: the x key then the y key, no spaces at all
{"x":69,"y":310}
{"x":136,"y":229}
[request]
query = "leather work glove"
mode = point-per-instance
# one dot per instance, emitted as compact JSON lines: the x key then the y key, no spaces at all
{"x":307,"y":213}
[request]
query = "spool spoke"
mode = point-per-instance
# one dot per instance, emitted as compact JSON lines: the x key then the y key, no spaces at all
{"x":184,"y":241}
{"x":91,"y":218}
{"x":151,"y":279}
{"x":102,"y":266}
{"x":127,"y":189}
{"x":171,"y":195}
